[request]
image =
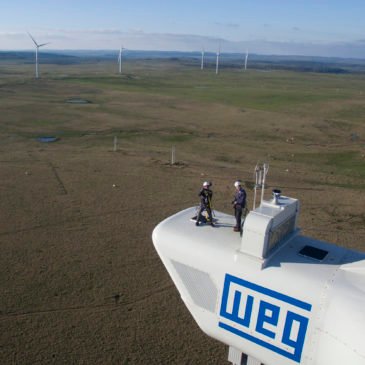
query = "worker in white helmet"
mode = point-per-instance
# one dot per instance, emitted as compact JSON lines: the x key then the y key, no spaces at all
{"x":206,"y":196}
{"x":239,"y":203}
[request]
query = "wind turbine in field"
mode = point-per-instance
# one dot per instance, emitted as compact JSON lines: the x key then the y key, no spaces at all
{"x":217,"y":60}
{"x":120,"y":58}
{"x":37,"y":46}
{"x":246,"y":58}
{"x":202,"y":60}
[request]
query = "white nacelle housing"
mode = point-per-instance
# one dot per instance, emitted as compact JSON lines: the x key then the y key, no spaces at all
{"x":273,"y":294}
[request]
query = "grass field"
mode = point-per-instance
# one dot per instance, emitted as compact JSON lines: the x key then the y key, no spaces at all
{"x":81,"y":282}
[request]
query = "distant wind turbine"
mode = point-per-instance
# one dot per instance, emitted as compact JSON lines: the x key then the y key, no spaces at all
{"x":246,"y":58}
{"x":120,"y":58}
{"x":37,"y":46}
{"x":202,"y":61}
{"x":217,"y":60}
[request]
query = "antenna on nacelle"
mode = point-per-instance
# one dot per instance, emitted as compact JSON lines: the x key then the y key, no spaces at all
{"x":260,"y":179}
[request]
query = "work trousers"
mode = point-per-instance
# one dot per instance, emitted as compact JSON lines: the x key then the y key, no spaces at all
{"x":201,"y":210}
{"x":238,"y":214}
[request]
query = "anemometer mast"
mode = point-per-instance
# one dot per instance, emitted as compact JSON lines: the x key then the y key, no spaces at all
{"x":260,"y":179}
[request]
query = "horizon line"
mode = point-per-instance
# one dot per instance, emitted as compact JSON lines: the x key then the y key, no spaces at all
{"x":180,"y":52}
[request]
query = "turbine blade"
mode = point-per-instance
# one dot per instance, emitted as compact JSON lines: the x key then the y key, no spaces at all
{"x":33,"y":39}
{"x":43,"y":44}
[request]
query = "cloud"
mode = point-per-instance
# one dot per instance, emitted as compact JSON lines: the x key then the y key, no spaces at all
{"x":227,"y":25}
{"x":138,"y":39}
{"x":334,"y":49}
{"x":12,"y":35}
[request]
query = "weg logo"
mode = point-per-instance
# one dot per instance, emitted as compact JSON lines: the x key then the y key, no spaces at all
{"x":266,"y":317}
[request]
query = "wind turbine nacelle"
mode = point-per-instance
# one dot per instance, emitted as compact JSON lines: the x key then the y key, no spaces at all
{"x":272,"y":294}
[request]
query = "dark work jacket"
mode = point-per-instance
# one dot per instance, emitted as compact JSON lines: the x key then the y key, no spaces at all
{"x":205,"y":197}
{"x":240,"y":198}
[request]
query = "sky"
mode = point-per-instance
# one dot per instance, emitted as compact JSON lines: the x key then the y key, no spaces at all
{"x":282,"y":27}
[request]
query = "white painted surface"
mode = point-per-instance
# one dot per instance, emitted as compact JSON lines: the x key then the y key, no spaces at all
{"x":333,"y":289}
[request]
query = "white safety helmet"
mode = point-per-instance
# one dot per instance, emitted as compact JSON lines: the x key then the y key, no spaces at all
{"x":207,"y":183}
{"x":237,"y":184}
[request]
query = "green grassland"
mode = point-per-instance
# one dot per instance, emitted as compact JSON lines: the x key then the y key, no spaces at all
{"x":273,"y":91}
{"x":259,"y":115}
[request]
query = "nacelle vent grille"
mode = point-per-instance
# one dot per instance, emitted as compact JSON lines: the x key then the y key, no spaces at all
{"x":199,"y":286}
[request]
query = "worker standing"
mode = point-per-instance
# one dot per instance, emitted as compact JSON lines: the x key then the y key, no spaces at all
{"x":239,"y":203}
{"x":206,"y":196}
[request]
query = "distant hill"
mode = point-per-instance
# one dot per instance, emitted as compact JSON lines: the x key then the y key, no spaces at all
{"x":45,"y":57}
{"x":227,"y":60}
